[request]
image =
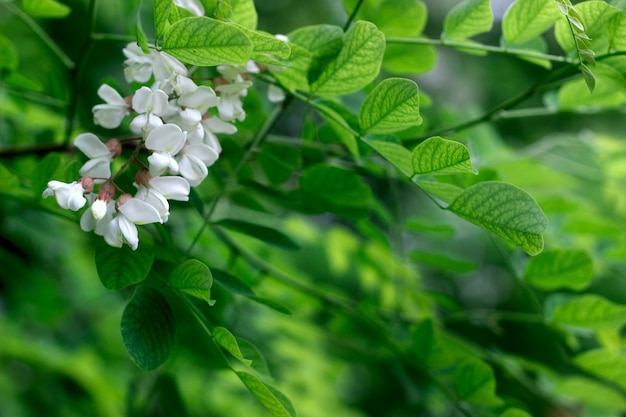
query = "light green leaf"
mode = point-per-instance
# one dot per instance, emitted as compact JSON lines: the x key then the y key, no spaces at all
{"x":272,"y":399}
{"x":409,"y":59}
{"x":591,"y":311}
{"x":244,"y":13}
{"x":400,"y":17}
{"x":263,"y":233}
{"x":591,"y":392}
{"x":142,"y":39}
{"x":505,"y":210}
{"x":226,"y":340}
{"x":207,"y":42}
{"x":392,"y":105}
{"x":120,"y":267}
{"x":194,"y":278}
{"x":267,"y":49}
{"x":357,"y":64}
{"x":274,"y":305}
{"x":527,"y":19}
{"x":162,"y":10}
{"x":468,"y":18}
{"x":609,"y":92}
{"x":398,"y":155}
{"x":608,"y":364}
{"x":564,"y":268}
{"x":148,"y":328}
{"x":9,"y":59}
{"x":442,"y":190}
{"x":515,"y":412}
{"x":594,"y":16}
{"x":475,"y":383}
{"x":438,"y":156}
{"x":46,"y":8}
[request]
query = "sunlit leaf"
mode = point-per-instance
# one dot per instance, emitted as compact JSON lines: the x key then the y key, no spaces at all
{"x":121,"y":267}
{"x":263,"y":233}
{"x":207,"y":42}
{"x":475,"y":383}
{"x":272,"y":399}
{"x":591,"y":392}
{"x":162,"y":10}
{"x":148,"y":328}
{"x":591,"y":312}
{"x":244,"y":13}
{"x":400,"y":17}
{"x":194,"y":278}
{"x":409,"y":59}
{"x":397,"y":154}
{"x":438,"y":156}
{"x":46,"y":8}
{"x":392,"y":105}
{"x":468,"y":18}
{"x":505,"y":210}
{"x":226,"y":340}
{"x":561,"y":268}
{"x":608,"y":364}
{"x":357,"y":64}
{"x":527,"y":19}
{"x":267,"y":49}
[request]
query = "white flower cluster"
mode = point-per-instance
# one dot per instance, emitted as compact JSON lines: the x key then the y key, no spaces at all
{"x":176,"y":123}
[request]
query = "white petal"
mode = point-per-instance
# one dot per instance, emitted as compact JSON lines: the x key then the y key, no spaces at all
{"x":166,"y":66}
{"x":204,"y":153}
{"x":168,"y":138}
{"x":193,"y":169}
{"x":113,"y":234}
{"x":110,"y":95}
{"x":108,"y":116}
{"x":144,"y":123}
{"x":217,"y":125}
{"x":275,"y":94}
{"x":91,"y":146}
{"x":160,"y":162}
{"x":139,"y":212}
{"x":142,"y":100}
{"x":97,"y":168}
{"x":172,"y":188}
{"x":201,"y":99}
{"x":129,"y":231}
{"x":160,"y":103}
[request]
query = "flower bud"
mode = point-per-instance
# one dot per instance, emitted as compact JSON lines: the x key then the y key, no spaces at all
{"x":115,"y":147}
{"x":106,"y":191}
{"x":124,"y":198}
{"x":143,"y":177}
{"x":99,"y":209}
{"x":87,"y":183}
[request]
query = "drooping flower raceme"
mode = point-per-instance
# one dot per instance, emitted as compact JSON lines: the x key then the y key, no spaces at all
{"x":176,"y":125}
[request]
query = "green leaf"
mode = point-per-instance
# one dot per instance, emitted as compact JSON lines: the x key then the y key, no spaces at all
{"x":266,"y":48}
{"x":398,"y":155}
{"x":357,"y":64}
{"x":400,"y":17}
{"x":148,"y":328}
{"x":250,"y":351}
{"x":194,"y":278}
{"x":120,"y":267}
{"x":279,"y":162}
{"x":46,"y":8}
{"x":409,"y":59}
{"x":428,"y":346}
{"x":505,"y":210}
{"x":442,"y":190}
{"x":9,"y":183}
{"x":46,"y":169}
{"x":591,"y":312}
{"x":438,"y":156}
{"x":564,"y":268}
{"x":244,"y":13}
{"x":468,"y":18}
{"x":608,"y":364}
{"x":142,"y":39}
{"x":272,"y":399}
{"x":226,"y":340}
{"x":527,"y":19}
{"x":263,"y":233}
{"x":609,"y":92}
{"x":203,"y":41}
{"x":335,"y":115}
{"x":162,"y":10}
{"x":594,"y":16}
{"x":591,"y":392}
{"x":328,"y":188}
{"x":9,"y":58}
{"x":392,"y":105}
{"x":443,"y":262}
{"x":231,"y":282}
{"x":274,"y":305}
{"x":515,"y":412}
{"x":475,"y":383}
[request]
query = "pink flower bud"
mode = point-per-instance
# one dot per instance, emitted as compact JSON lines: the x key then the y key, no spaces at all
{"x":114,"y":146}
{"x":143,"y":177}
{"x":87,"y":183}
{"x":106,"y":191}
{"x":124,"y":198}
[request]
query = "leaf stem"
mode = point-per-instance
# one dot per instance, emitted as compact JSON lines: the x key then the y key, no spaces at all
{"x":352,"y":15}
{"x":34,"y":26}
{"x":481,"y":47}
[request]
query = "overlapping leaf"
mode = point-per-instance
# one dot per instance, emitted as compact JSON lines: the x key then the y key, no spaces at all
{"x":392,"y":105}
{"x":194,"y":278}
{"x":438,"y":156}
{"x":527,"y":19}
{"x":468,"y":18}
{"x":564,"y":268}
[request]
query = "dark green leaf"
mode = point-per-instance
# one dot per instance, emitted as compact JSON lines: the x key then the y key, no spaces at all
{"x":272,"y":399}
{"x":148,"y":328}
{"x":443,"y":262}
{"x":263,"y":233}
{"x":475,"y":383}
{"x":194,"y":278}
{"x":207,"y":42}
{"x":250,"y":351}
{"x":121,"y":267}
{"x":274,"y":305}
{"x":279,"y":162}
{"x":46,"y":169}
{"x":231,"y":282}
{"x":9,"y":59}
{"x":505,"y":210}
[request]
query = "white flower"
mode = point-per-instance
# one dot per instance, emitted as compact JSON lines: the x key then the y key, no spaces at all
{"x":213,"y":125}
{"x":275,"y":94}
{"x":190,"y":120}
{"x":165,"y":142}
{"x":97,"y":216}
{"x":170,"y":74}
{"x":201,"y":99}
{"x":150,"y":104}
{"x":122,"y":228}
{"x":69,"y":196}
{"x":161,"y":189}
{"x":100,"y":157}
{"x":193,"y":161}
{"x":194,"y":6}
{"x":110,"y":115}
{"x":138,"y":63}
